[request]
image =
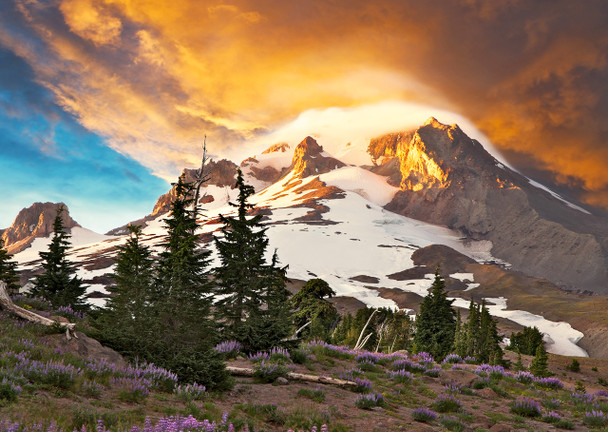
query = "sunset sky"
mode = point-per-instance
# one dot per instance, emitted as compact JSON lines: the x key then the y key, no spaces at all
{"x":102,"y":102}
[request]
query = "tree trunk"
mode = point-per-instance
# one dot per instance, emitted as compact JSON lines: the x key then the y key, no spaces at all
{"x":7,"y":303}
{"x":295,"y":376}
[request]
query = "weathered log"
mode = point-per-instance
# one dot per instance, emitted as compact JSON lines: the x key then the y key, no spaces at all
{"x":7,"y":303}
{"x":295,"y":376}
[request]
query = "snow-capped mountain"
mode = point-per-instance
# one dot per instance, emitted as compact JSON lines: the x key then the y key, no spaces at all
{"x":369,"y":230}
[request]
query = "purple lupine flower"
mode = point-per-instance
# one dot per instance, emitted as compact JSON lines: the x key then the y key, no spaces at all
{"x":229,"y":348}
{"x":363,"y":385}
{"x":401,"y":376}
{"x":424,"y":415}
{"x":526,"y":407}
{"x":366,"y":357}
{"x":452,"y":358}
{"x":550,"y":383}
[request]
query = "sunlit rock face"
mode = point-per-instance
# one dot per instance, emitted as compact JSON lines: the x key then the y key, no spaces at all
{"x":32,"y":222}
{"x":309,"y":159}
{"x":447,"y":178}
{"x":275,"y":148}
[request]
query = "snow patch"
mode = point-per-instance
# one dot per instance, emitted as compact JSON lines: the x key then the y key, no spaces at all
{"x":557,"y":196}
{"x":361,"y":181}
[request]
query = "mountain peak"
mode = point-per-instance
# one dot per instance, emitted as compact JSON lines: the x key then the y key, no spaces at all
{"x":276,"y":148}
{"x":309,"y":159}
{"x":32,"y":222}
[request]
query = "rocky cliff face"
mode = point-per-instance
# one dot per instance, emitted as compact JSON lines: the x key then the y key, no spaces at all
{"x":448,"y":179}
{"x":310,"y":159}
{"x":32,"y":222}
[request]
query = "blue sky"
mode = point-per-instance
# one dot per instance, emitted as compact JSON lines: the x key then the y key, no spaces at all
{"x":46,"y":155}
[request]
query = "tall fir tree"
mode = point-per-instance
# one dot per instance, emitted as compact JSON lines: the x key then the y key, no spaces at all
{"x":540,"y":363}
{"x":488,"y":350}
{"x":436,"y":323}
{"x":183,"y":333}
{"x":8,"y":270}
{"x":58,"y":283}
{"x":125,"y":320}
{"x":253,"y":301}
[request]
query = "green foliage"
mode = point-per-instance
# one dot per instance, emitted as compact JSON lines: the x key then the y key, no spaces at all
{"x":127,"y":317}
{"x":478,"y":337}
{"x":58,"y":282}
{"x":253,"y":302}
{"x":574,"y":366}
{"x":315,"y":395}
{"x":526,"y":341}
{"x":161,"y":311}
{"x":8,"y":270}
{"x":436,"y":323}
{"x":539,"y":365}
{"x":311,"y":307}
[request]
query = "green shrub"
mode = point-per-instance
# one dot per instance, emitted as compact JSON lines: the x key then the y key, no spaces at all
{"x":574,"y":366}
{"x":315,"y":395}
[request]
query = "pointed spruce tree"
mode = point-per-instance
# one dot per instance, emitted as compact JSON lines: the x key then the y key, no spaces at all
{"x":435,"y":323}
{"x":8,"y":270}
{"x":252,"y":303}
{"x":311,"y":309}
{"x":58,"y":283}
{"x":123,"y":323}
{"x":182,"y":334}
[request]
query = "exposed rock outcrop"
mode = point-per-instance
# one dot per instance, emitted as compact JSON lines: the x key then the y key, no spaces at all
{"x":32,"y":222}
{"x":310,"y":159}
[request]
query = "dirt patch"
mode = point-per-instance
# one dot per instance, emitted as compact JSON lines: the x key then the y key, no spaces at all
{"x":365,"y":279}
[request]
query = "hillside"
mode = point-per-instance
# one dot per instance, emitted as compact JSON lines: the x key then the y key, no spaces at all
{"x":76,"y":384}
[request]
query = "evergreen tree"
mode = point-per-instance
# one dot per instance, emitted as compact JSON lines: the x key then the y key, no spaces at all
{"x":58,"y":283}
{"x":526,"y":341}
{"x":489,"y":340}
{"x":311,"y":306}
{"x":252,"y":305}
{"x":182,"y":334}
{"x":8,"y":270}
{"x":436,"y":323}
{"x":539,"y":365}
{"x":125,"y":320}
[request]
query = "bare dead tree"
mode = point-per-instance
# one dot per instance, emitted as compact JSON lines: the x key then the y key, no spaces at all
{"x":200,"y":178}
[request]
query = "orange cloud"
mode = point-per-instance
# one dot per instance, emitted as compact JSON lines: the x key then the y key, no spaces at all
{"x":154,"y":76}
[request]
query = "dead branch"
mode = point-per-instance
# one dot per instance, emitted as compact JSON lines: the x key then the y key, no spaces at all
{"x":7,"y":303}
{"x":248,"y":372}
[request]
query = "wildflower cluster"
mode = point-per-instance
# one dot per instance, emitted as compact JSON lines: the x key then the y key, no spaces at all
{"x":424,"y":415}
{"x":368,"y":401}
{"x":446,"y":403}
{"x":401,"y":376}
{"x":548,"y":383}
{"x":452,"y":358}
{"x":229,"y":349}
{"x":595,"y":418}
{"x":268,"y":372}
{"x":190,"y":392}
{"x":526,"y":407}
{"x":132,"y":389}
{"x":407,"y":365}
{"x":363,"y":385}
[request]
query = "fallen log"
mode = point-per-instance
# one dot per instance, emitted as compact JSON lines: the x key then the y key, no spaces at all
{"x":295,"y":376}
{"x":7,"y":303}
